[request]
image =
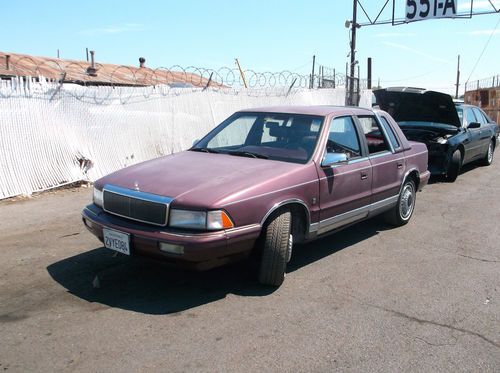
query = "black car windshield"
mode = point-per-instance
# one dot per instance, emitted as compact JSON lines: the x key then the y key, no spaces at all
{"x":275,"y":136}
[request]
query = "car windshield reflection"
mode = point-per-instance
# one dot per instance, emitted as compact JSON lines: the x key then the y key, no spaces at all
{"x":282,"y":137}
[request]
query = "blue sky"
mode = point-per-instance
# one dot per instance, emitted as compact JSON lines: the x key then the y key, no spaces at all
{"x":270,"y":35}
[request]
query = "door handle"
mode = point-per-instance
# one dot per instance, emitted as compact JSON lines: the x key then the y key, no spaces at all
{"x":400,"y":165}
{"x":364,"y":176}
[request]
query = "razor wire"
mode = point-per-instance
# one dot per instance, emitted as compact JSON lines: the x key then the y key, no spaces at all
{"x":192,"y":78}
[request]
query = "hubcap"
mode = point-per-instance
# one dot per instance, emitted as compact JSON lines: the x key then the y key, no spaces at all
{"x":490,"y":152}
{"x":407,"y":201}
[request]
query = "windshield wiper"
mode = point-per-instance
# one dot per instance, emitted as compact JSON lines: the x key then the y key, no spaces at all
{"x":205,"y":150}
{"x":240,"y":153}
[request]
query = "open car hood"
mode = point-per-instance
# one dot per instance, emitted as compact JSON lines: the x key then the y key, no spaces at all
{"x":418,"y":105}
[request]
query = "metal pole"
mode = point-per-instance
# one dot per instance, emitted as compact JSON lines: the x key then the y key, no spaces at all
{"x":335,"y":78}
{"x":322,"y":77}
{"x":346,"y":83}
{"x":369,"y":78}
{"x":356,"y":101}
{"x":458,"y":77}
{"x":353,"y":51}
{"x":311,"y":83}
{"x":241,"y":73}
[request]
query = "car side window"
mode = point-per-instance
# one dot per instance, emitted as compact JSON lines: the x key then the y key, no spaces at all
{"x":480,"y":117}
{"x":343,"y":138}
{"x":469,"y":116}
{"x":375,"y":138}
{"x":390,"y":133}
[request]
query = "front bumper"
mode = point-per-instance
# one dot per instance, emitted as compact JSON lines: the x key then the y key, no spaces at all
{"x":201,"y":250}
{"x":439,"y":161}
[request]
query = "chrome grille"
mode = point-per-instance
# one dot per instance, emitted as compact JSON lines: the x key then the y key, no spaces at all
{"x":136,"y":205}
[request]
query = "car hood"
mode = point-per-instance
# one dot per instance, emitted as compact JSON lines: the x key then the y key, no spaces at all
{"x":418,"y":105}
{"x":205,"y":180}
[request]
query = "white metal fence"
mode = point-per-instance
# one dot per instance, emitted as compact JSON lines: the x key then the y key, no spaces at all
{"x":54,"y":134}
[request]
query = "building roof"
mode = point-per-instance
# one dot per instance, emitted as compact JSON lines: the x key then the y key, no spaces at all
{"x":75,"y":71}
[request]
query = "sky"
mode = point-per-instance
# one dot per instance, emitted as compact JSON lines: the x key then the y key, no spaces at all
{"x":271,"y":35}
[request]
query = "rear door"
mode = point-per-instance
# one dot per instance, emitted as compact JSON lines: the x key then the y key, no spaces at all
{"x":345,"y":188}
{"x":387,"y":159}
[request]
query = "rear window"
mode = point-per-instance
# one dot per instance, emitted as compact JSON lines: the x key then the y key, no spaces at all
{"x":375,"y":138}
{"x":390,"y":133}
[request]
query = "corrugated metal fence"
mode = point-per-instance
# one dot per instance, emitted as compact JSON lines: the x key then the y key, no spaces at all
{"x":54,"y":134}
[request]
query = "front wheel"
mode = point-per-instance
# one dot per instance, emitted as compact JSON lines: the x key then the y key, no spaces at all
{"x":488,"y":158}
{"x":402,"y":212}
{"x":277,"y":249}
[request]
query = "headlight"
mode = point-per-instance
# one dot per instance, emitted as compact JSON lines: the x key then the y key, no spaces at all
{"x":188,"y":219}
{"x":97,"y":197}
{"x":201,"y":220}
{"x":443,"y":140}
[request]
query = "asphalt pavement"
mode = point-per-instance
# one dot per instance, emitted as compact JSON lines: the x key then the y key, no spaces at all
{"x":424,"y":297}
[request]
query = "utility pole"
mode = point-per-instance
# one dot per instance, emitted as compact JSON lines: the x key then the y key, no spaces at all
{"x":353,"y":51}
{"x":458,"y":77}
{"x":369,"y":78}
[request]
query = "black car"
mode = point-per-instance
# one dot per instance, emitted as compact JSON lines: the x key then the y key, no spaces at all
{"x":454,"y":133}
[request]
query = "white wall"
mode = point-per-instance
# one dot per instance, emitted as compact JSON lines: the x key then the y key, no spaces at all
{"x":47,"y":131}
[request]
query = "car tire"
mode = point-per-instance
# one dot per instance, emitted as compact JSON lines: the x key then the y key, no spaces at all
{"x":488,"y":158}
{"x":277,"y":249}
{"x":400,"y":214}
{"x":454,"y":166}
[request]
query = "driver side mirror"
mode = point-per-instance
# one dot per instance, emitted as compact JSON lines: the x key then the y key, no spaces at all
{"x":473,"y":125}
{"x":331,"y":159}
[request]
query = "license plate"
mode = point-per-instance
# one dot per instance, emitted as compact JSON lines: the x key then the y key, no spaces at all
{"x":117,"y":241}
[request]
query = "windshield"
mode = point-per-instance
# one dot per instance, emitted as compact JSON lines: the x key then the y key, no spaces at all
{"x":282,"y":137}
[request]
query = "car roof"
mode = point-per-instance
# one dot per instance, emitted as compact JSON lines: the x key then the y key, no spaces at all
{"x":461,"y":104}
{"x":322,"y":110}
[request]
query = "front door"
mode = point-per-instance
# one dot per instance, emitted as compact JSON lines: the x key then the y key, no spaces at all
{"x":345,"y":187}
{"x":472,"y":143}
{"x":484,"y":132}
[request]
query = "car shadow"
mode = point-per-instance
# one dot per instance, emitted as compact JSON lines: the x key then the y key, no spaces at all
{"x":465,"y":169}
{"x":150,"y":287}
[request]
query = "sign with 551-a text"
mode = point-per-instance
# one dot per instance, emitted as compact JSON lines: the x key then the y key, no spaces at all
{"x":417,"y":10}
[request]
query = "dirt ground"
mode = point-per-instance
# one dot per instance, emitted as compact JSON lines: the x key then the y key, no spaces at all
{"x":424,"y":297}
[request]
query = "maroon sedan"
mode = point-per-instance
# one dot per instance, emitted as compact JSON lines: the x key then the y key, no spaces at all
{"x":259,"y":182}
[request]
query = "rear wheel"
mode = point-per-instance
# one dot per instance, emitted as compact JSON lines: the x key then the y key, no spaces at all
{"x":402,"y":212}
{"x":454,"y":166}
{"x":277,"y":249}
{"x":488,"y":158}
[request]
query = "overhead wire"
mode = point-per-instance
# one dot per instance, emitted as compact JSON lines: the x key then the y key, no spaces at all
{"x":484,"y":49}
